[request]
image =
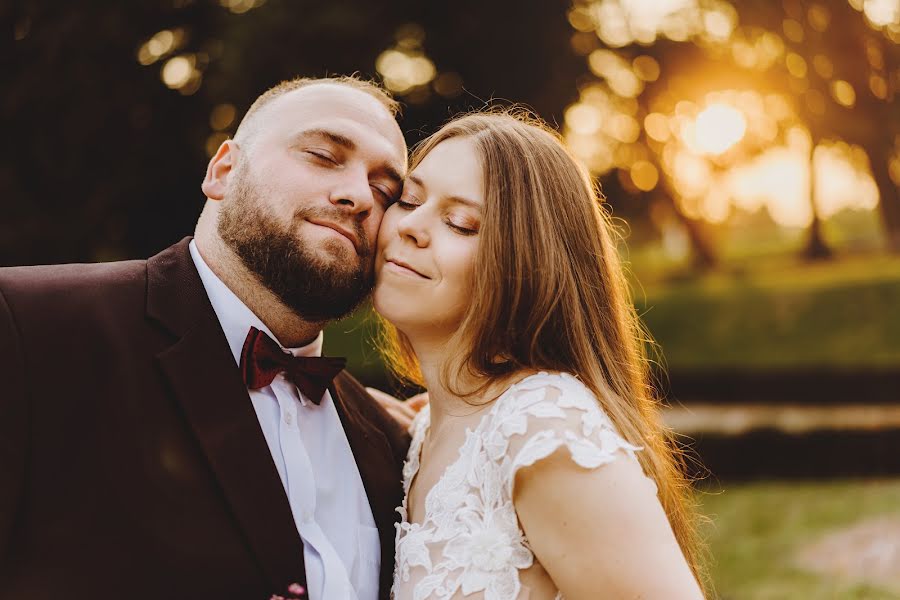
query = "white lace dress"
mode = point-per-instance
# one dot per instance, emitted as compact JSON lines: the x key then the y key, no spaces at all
{"x":470,"y":544}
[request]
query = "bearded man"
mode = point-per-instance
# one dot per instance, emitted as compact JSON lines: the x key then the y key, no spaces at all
{"x":168,"y":428}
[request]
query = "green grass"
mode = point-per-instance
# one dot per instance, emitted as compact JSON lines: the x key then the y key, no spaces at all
{"x":757,"y":528}
{"x":780,"y":314}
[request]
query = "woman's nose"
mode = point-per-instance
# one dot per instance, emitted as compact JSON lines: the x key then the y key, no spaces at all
{"x":414,"y":227}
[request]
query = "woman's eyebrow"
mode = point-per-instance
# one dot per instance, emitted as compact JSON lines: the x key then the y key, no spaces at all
{"x":416,"y":181}
{"x":452,"y":198}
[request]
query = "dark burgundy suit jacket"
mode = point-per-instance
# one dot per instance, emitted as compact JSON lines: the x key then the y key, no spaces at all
{"x":132,"y":464}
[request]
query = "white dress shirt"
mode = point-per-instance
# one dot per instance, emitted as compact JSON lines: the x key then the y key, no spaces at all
{"x":341,"y":547}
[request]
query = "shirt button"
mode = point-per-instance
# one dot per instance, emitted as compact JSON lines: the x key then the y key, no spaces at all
{"x":307,"y":516}
{"x":288,"y":418}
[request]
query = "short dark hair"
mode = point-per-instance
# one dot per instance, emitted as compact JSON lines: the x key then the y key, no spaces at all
{"x":351,"y":81}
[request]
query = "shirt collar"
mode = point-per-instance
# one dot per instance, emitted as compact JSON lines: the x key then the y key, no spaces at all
{"x":234,"y":316}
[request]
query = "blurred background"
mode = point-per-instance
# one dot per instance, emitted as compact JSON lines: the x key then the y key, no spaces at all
{"x":749,"y":150}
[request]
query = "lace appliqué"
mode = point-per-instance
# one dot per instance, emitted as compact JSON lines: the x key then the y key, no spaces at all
{"x":470,"y":540}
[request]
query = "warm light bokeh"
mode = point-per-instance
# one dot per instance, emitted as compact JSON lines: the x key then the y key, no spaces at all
{"x":722,"y":150}
{"x":717,"y":128}
{"x":407,"y":70}
{"x":882,"y":13}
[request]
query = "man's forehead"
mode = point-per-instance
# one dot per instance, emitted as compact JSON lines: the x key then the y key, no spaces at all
{"x":321,"y":102}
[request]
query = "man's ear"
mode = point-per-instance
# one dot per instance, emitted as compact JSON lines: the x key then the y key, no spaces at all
{"x":219,"y":169}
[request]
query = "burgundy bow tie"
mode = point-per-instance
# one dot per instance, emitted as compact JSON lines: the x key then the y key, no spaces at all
{"x":262,"y":359}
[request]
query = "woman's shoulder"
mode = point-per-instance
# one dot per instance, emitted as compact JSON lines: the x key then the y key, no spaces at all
{"x":550,"y":393}
{"x":547,"y":411}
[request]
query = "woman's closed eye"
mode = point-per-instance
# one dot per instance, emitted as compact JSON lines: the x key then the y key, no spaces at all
{"x":408,"y":203}
{"x":461,"y":226}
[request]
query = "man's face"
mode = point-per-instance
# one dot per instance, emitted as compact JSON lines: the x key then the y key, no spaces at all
{"x":306,"y":198}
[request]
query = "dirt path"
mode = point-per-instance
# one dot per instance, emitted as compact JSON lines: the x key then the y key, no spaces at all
{"x":868,"y":551}
{"x":741,"y":418}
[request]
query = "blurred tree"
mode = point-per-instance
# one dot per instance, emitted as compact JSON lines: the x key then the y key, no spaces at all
{"x":651,"y":62}
{"x":849,"y":89}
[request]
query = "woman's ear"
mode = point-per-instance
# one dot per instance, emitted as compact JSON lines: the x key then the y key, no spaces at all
{"x":219,"y":169}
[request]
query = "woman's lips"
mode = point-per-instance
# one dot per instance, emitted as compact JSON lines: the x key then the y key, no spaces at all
{"x":403,"y":268}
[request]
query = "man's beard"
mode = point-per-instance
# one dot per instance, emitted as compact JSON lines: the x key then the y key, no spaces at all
{"x":314,"y":288}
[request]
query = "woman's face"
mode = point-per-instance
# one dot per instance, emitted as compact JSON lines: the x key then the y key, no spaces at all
{"x":428,"y":240}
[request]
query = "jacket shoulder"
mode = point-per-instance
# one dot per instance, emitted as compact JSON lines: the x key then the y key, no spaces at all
{"x":51,"y":291}
{"x":70,"y":277}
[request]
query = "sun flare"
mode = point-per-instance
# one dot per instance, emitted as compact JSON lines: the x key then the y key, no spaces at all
{"x":717,"y":128}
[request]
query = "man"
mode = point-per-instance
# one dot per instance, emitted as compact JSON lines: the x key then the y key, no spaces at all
{"x":158,"y":436}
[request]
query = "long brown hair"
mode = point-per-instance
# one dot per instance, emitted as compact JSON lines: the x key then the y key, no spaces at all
{"x":550,"y":293}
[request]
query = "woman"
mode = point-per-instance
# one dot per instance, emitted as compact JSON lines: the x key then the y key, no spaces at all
{"x":539,"y":469}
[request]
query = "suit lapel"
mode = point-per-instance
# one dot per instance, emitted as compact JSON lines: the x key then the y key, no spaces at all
{"x":379,"y":469}
{"x":203,"y":377}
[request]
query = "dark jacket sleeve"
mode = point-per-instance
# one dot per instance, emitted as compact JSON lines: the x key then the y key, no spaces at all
{"x":13,"y":423}
{"x":398,"y":438}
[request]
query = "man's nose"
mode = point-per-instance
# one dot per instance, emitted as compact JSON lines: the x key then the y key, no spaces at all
{"x":354,"y":194}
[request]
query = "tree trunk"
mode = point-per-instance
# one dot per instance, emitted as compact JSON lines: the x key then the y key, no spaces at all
{"x":816,"y":248}
{"x":704,"y":257}
{"x":703,"y":253}
{"x":888,"y":201}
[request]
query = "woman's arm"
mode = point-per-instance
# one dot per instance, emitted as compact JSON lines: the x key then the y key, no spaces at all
{"x":601,"y":532}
